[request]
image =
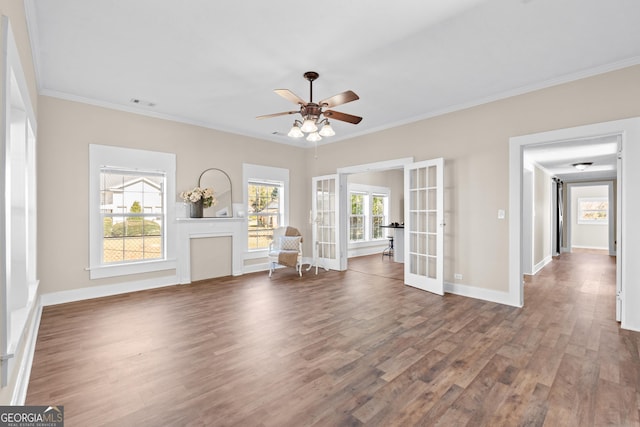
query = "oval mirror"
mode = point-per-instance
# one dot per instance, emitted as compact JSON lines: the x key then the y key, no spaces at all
{"x":219,"y":181}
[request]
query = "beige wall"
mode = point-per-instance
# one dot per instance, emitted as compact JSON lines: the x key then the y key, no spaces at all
{"x":65,"y":131}
{"x":475,"y":145}
{"x":392,"y":179}
{"x":542,"y":216}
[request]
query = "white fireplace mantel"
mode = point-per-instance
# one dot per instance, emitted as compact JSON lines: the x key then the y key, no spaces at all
{"x":195,"y":228}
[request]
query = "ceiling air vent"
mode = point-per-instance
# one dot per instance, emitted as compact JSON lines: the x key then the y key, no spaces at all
{"x":142,"y":102}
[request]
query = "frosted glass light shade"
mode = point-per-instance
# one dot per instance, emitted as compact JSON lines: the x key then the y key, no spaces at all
{"x":295,"y":132}
{"x":327,"y":130}
{"x":314,"y":137}
{"x":309,"y":126}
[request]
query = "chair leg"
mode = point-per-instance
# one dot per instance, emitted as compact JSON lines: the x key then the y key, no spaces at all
{"x":270,"y":268}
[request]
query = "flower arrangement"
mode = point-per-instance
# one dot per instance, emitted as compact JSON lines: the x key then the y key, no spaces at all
{"x":197,"y":194}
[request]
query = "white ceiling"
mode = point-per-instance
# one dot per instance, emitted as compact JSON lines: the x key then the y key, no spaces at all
{"x":558,"y":158}
{"x":216,"y":63}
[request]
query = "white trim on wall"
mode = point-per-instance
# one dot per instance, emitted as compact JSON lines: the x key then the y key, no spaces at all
{"x":133,"y":159}
{"x":539,"y":266}
{"x":266,"y":174}
{"x":80,"y":294}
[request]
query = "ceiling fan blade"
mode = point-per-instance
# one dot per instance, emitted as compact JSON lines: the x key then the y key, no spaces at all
{"x":284,"y":113}
{"x":336,"y":115}
{"x":287,"y":94}
{"x":339,"y":99}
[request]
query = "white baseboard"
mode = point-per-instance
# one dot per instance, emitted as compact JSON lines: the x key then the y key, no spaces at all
{"x":255,"y":268}
{"x":53,"y":298}
{"x":630,"y":326}
{"x":479,"y":293}
{"x":599,"y":248}
{"x":539,"y":266}
{"x":367,"y":250}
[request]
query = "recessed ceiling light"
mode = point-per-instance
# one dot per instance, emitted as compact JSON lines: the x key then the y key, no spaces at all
{"x":582,"y":165}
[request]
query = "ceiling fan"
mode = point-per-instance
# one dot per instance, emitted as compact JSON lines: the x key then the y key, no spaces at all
{"x":314,"y":114}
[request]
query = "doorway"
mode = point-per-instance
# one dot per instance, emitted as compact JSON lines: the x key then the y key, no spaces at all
{"x":625,"y":131}
{"x":423,"y":219}
{"x":590,"y":216}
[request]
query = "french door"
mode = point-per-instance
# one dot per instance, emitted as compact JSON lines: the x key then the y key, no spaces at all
{"x":424,"y":225}
{"x":326,"y":236}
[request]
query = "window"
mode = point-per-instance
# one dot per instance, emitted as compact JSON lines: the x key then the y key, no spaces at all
{"x":266,"y":198}
{"x":131,"y":205}
{"x":131,"y":211}
{"x":357,"y":217}
{"x":378,"y":215}
{"x":265,"y":212}
{"x":593,"y":210}
{"x":369,"y":211}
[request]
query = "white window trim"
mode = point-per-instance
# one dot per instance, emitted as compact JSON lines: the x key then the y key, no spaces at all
{"x":132,"y":159}
{"x":370,"y":191}
{"x":581,"y":221}
{"x":267,"y":174}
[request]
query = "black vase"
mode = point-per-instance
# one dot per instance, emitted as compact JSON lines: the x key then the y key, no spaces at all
{"x":196,"y":209}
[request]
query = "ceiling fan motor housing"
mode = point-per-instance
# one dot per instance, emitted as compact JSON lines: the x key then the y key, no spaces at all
{"x":311,"y":111}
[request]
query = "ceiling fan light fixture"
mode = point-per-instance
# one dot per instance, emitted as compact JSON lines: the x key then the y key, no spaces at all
{"x":582,"y":165}
{"x":309,"y":125}
{"x":327,"y":130}
{"x":295,"y":131}
{"x":314,"y":137}
{"x":315,"y":114}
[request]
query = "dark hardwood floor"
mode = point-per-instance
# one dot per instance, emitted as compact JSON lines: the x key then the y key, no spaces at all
{"x":344,"y":348}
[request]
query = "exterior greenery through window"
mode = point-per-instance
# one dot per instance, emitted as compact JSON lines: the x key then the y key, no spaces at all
{"x":132,"y":211}
{"x":265,"y":212}
{"x":378,"y":216}
{"x":593,"y":210}
{"x":357,"y":218}
{"x":369,"y":210}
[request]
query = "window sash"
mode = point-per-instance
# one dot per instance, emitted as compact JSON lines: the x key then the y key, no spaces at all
{"x":593,"y":210}
{"x":258,"y":238}
{"x":132,"y":242}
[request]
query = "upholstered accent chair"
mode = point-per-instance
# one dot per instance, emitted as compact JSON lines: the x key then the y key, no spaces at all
{"x":286,"y":249}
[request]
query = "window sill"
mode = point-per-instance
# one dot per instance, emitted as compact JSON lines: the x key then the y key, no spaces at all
{"x":593,"y":222}
{"x":257,"y":253}
{"x":103,"y":271}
